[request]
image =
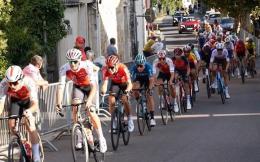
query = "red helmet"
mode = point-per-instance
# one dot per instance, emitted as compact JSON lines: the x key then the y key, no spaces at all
{"x":80,"y":40}
{"x":112,"y":60}
{"x":178,"y":51}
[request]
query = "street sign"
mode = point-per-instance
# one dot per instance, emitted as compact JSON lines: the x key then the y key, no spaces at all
{"x":149,"y":15}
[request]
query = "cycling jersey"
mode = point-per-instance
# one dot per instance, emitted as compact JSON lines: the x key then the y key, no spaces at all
{"x":84,"y":76}
{"x":121,"y":76}
{"x":146,"y":73}
{"x":192,"y":60}
{"x":33,"y":72}
{"x":166,"y":67}
{"x":181,"y":64}
{"x":219,"y":57}
{"x":250,"y":48}
{"x":27,"y":91}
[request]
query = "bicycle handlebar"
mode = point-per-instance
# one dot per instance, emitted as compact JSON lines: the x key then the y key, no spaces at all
{"x":11,"y":117}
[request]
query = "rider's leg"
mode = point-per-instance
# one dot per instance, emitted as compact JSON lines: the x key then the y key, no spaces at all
{"x":213,"y":76}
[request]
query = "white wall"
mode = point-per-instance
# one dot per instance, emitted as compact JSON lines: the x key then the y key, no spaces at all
{"x":141,"y":23}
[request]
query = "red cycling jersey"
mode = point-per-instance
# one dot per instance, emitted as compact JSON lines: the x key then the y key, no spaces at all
{"x":181,"y":64}
{"x":121,"y":76}
{"x":21,"y":94}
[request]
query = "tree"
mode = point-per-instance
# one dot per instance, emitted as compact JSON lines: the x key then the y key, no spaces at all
{"x":5,"y":10}
{"x":25,"y":30}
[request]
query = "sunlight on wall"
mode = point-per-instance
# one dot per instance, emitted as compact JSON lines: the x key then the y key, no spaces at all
{"x":108,"y":15}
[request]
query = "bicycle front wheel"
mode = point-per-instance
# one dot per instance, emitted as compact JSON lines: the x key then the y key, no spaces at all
{"x":115,"y":129}
{"x":221,"y":91}
{"x":16,"y":152}
{"x":242,"y":71}
{"x":164,"y":109}
{"x":80,"y":154}
{"x":124,"y":128}
{"x":140,"y":118}
{"x":208,"y":87}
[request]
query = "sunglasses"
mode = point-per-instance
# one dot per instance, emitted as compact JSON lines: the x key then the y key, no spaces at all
{"x":14,"y":83}
{"x":111,"y":67}
{"x":73,"y":62}
{"x":140,"y":66}
{"x":162,"y":58}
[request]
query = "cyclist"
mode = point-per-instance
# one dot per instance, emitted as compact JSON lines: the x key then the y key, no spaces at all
{"x":165,"y":67}
{"x":142,"y":76}
{"x":84,"y":88}
{"x":241,"y":54}
{"x":205,"y":58}
{"x":230,"y":48}
{"x":22,"y":92}
{"x":250,"y":46}
{"x":196,"y":53}
{"x":220,"y":57}
{"x":120,"y":80}
{"x":193,"y":65}
{"x":182,"y":69}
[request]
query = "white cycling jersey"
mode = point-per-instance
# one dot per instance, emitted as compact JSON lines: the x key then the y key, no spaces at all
{"x":82,"y":77}
{"x":216,"y":55}
{"x":165,"y":68}
{"x":28,"y":90}
{"x":33,"y":72}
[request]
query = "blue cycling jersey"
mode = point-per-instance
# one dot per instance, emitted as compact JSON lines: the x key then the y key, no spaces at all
{"x":145,"y":74}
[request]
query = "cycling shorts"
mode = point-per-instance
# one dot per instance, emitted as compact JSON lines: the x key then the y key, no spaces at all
{"x":80,"y":92}
{"x":116,"y":88}
{"x":164,"y":76}
{"x":183,"y":75}
{"x":221,"y":62}
{"x":17,"y":107}
{"x":144,"y":82}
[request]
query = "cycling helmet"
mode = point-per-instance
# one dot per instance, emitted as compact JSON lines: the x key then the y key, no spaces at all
{"x":73,"y":54}
{"x":227,"y":39}
{"x":140,"y":59}
{"x":161,"y":53}
{"x":219,"y":46}
{"x":13,"y":73}
{"x":191,"y":46}
{"x":178,"y":51}
{"x":112,"y":60}
{"x":186,"y":48}
{"x":249,"y":39}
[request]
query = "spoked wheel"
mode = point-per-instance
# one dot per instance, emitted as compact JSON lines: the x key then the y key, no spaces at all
{"x":148,"y":121}
{"x":124,"y":128}
{"x":208,"y":87}
{"x":164,"y":110}
{"x":221,"y":91}
{"x":171,"y":113}
{"x":115,"y":129}
{"x":16,"y":152}
{"x":98,"y":156}
{"x":79,"y":154}
{"x":242,"y":71}
{"x":140,"y":118}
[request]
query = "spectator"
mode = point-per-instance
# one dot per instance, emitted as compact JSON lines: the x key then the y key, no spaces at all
{"x":167,"y":10}
{"x":80,"y":44}
{"x":111,"y":49}
{"x":159,"y":5}
{"x":33,"y":71}
{"x":148,"y":46}
{"x":158,"y":46}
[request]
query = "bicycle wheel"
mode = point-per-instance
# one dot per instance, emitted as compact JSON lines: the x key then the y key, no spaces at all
{"x":221,"y":90}
{"x":140,"y":118}
{"x":115,"y":129}
{"x":79,"y":154}
{"x":124,"y":128}
{"x":16,"y":152}
{"x":148,"y":120}
{"x":208,"y":87}
{"x":164,"y":109}
{"x":98,"y":156}
{"x":242,"y":72}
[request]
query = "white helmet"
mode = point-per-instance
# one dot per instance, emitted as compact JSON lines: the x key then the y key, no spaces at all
{"x":219,"y":46}
{"x":161,"y":53}
{"x":13,"y":73}
{"x":73,"y":54}
{"x":227,"y":39}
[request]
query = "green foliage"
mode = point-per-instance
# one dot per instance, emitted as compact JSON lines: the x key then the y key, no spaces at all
{"x":25,"y":30}
{"x":172,"y":4}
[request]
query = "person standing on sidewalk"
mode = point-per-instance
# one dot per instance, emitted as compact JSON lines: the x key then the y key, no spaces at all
{"x":111,"y":48}
{"x":80,"y":44}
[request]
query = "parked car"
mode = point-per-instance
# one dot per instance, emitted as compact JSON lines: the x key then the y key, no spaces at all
{"x":227,"y":23}
{"x":178,"y":15}
{"x":189,"y":24}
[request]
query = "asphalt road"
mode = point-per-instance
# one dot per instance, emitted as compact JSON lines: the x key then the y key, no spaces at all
{"x":210,"y":132}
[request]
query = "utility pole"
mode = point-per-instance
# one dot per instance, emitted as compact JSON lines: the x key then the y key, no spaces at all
{"x":133,"y":30}
{"x":45,"y":65}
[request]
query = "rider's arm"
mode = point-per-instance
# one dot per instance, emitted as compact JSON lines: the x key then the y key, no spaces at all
{"x":212,"y":58}
{"x":128,"y":82}
{"x":105,"y":81}
{"x":33,"y":94}
{"x":154,"y":68}
{"x":227,"y":59}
